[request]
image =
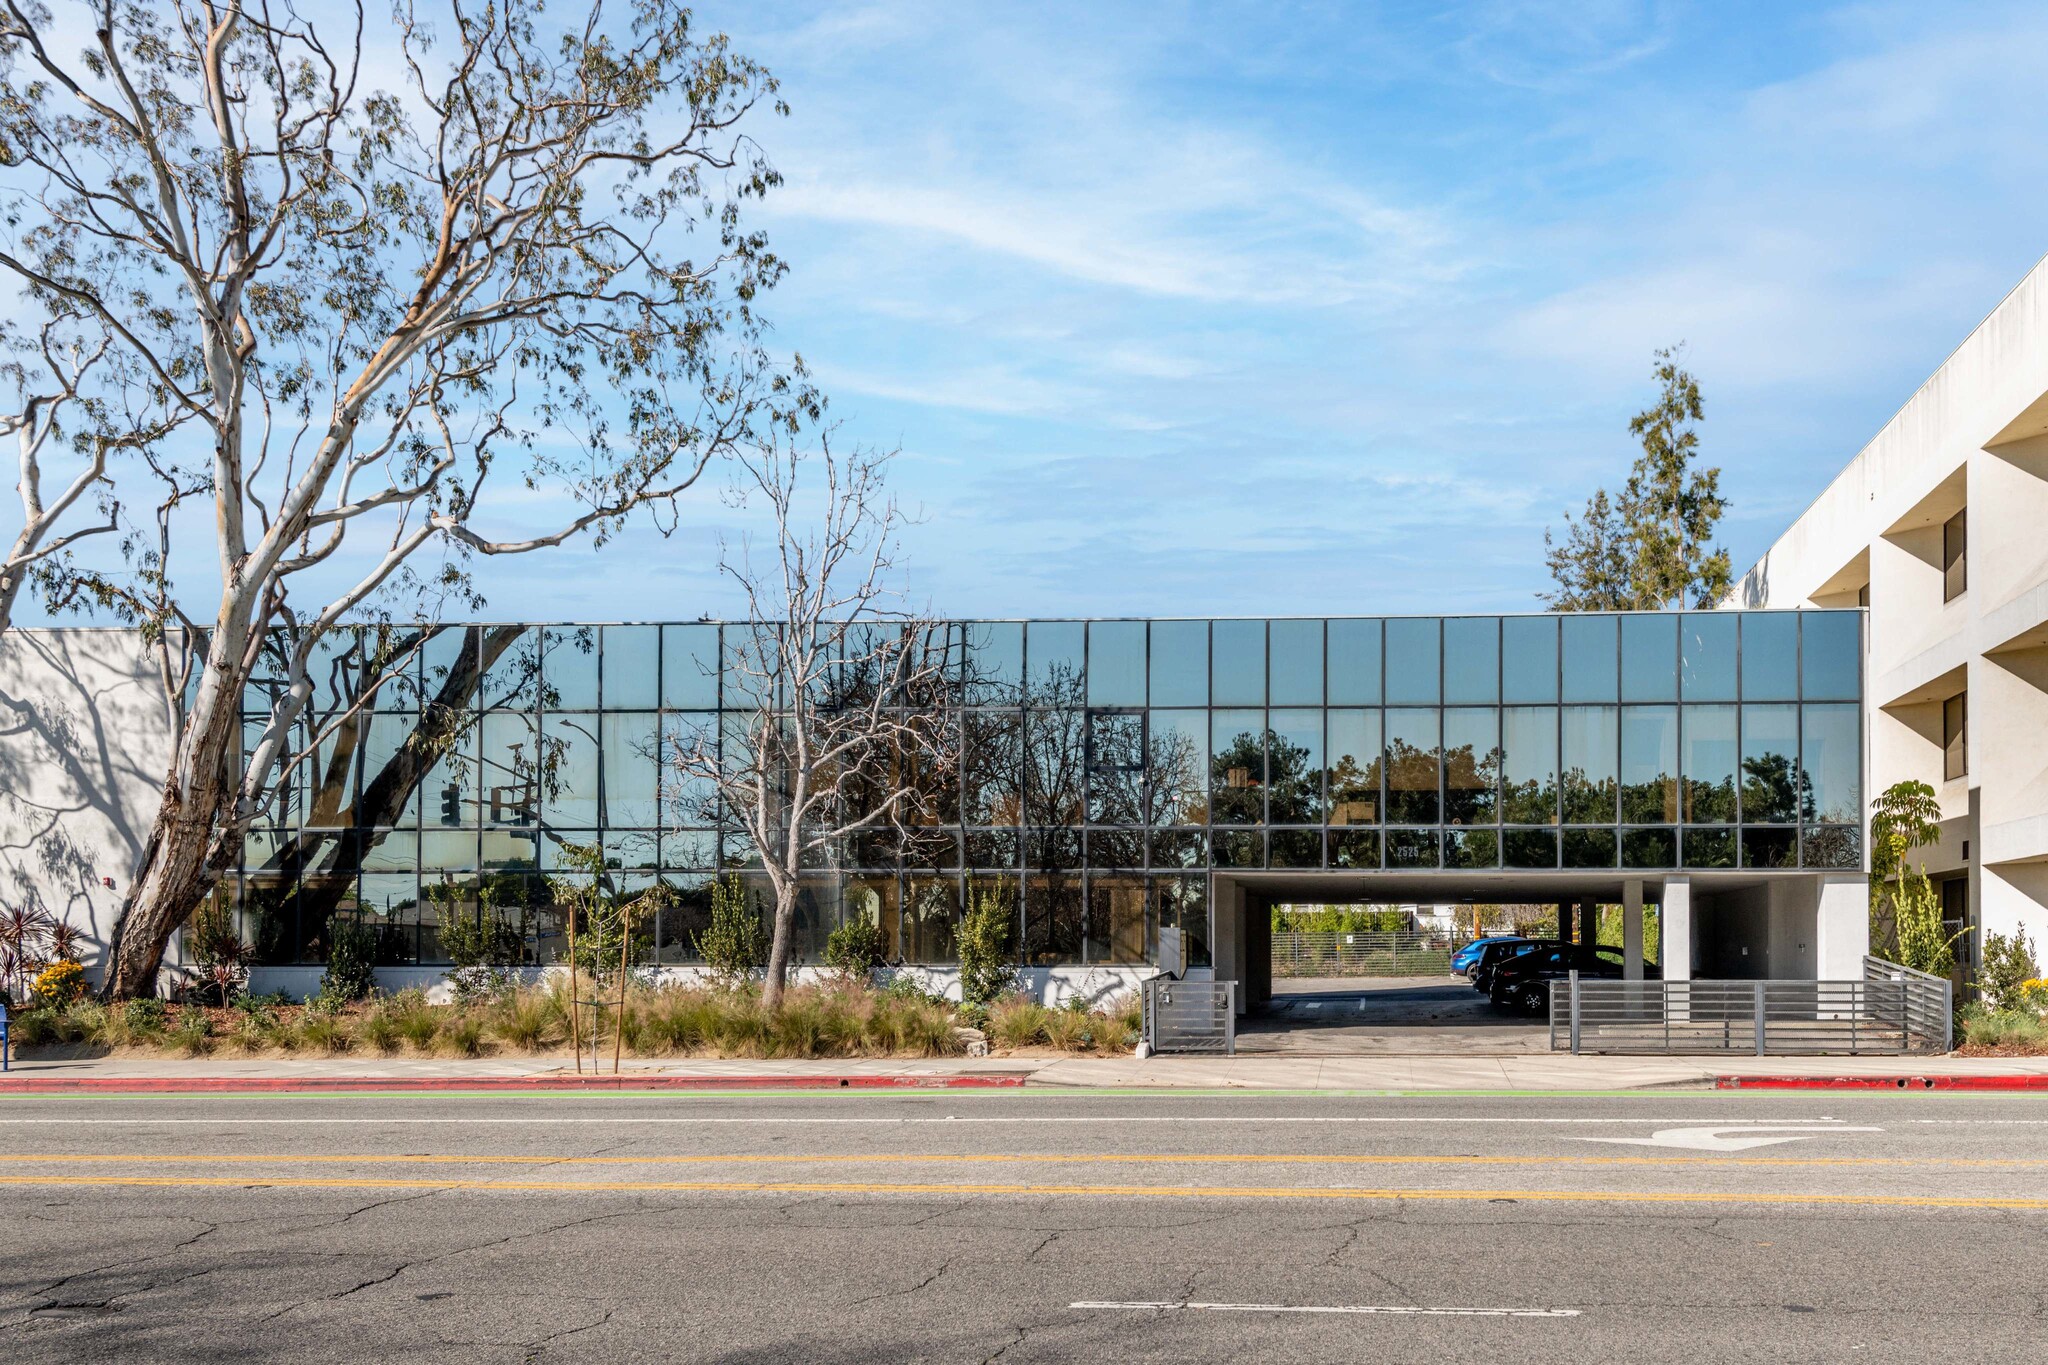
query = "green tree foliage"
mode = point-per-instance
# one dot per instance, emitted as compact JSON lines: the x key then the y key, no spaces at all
{"x":1338,"y":919}
{"x":351,"y":963}
{"x":856,"y":948}
{"x":985,"y":953}
{"x":734,"y":945}
{"x":1649,"y":546}
{"x":2008,"y":965}
{"x":1905,"y":908}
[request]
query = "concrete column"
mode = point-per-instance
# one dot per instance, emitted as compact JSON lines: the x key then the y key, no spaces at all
{"x":1589,"y":923}
{"x":1842,"y":928}
{"x":1675,"y":920}
{"x":1632,"y":930}
{"x":1564,"y":921}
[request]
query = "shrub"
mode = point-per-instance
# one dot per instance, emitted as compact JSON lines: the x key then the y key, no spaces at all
{"x":414,"y":1019}
{"x":321,"y":1031}
{"x":481,"y":947}
{"x":734,"y":945}
{"x":1984,"y":1027}
{"x":1068,"y":1029}
{"x":378,"y":1031}
{"x":1016,"y":1021}
{"x":218,"y":951}
{"x":462,"y":1035}
{"x":191,"y":1033}
{"x":856,"y":948}
{"x":986,"y":970}
{"x":59,"y":984}
{"x":526,"y":1020}
{"x":33,"y":1027}
{"x":351,"y":963}
{"x":146,"y":1015}
{"x":2008,"y":965}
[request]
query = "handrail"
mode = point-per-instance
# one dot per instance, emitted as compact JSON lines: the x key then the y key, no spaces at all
{"x":1896,"y":970}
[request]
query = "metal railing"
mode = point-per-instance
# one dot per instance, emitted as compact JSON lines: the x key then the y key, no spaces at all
{"x":1190,"y":1016}
{"x":1363,"y":953}
{"x":1893,"y":1011}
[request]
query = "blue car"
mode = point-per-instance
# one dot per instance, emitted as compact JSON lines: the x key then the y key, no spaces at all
{"x":1465,"y":957}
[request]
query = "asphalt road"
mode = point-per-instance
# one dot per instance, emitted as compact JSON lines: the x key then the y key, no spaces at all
{"x":1022,"y":1227}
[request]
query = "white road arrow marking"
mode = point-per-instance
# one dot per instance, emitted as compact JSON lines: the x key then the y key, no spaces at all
{"x":1711,"y":1139}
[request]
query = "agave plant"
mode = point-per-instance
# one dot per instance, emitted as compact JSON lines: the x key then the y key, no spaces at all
{"x":65,"y":941}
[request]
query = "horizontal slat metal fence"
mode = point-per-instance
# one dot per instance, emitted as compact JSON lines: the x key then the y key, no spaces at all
{"x":1884,"y":1016}
{"x":1336,"y":953}
{"x":1190,"y":1016}
{"x":1930,"y":1004}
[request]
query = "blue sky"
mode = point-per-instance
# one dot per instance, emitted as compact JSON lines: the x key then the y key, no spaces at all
{"x":1330,"y":308}
{"x":1333,"y":308}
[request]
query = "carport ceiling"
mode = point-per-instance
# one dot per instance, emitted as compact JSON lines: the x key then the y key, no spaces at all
{"x":1499,"y":887}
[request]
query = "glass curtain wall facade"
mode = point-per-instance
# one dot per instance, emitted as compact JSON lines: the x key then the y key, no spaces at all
{"x":1106,"y":771}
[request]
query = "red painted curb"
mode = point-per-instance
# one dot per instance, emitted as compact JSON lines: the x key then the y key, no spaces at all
{"x":189,"y":1085}
{"x":1891,"y":1084}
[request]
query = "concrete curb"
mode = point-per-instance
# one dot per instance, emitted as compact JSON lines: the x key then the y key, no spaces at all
{"x":232,"y":1085}
{"x":1886,"y":1083}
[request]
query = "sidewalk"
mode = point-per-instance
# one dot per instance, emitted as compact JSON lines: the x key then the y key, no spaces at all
{"x":1424,"y":1074}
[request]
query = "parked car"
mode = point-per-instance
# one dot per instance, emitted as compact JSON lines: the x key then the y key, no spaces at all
{"x":1523,"y":983}
{"x":1468,"y":956}
{"x":1506,"y":950}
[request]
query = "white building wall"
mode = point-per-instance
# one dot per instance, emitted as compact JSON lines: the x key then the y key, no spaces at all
{"x":1975,"y":438}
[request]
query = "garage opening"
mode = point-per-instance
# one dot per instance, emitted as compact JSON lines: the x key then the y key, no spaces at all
{"x":1365,"y":976}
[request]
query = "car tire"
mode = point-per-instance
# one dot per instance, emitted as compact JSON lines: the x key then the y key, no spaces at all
{"x":1532,"y":999}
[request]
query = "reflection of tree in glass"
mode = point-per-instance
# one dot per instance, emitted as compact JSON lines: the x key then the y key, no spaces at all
{"x":1773,"y":789}
{"x":1411,"y":784}
{"x":1469,"y":785}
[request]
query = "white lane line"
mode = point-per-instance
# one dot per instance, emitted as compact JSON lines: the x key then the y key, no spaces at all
{"x":1392,"y":1309}
{"x":884,"y":1121}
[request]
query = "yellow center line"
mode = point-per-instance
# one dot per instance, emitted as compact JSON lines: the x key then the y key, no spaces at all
{"x":1003,"y":1158}
{"x":956,"y":1191}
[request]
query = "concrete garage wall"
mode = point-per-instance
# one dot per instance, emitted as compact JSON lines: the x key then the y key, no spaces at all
{"x":85,"y":742}
{"x":1763,"y":932}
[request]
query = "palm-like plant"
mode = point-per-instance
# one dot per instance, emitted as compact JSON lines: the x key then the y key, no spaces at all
{"x":24,"y":929}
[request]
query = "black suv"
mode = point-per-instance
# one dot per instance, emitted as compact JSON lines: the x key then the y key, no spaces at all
{"x":1505,"y":950}
{"x":1523,"y":982}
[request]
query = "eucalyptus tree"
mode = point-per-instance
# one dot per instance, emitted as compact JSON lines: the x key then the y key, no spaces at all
{"x":512,"y":261}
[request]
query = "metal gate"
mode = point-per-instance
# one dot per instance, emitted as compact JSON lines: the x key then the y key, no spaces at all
{"x":1363,"y":953}
{"x":1190,"y":1016}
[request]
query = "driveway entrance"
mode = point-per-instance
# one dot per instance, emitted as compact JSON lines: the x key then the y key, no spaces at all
{"x":1385,"y":1015}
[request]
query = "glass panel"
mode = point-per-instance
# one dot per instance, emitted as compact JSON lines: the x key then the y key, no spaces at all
{"x":1529,"y":847}
{"x":689,"y":667}
{"x":1237,"y":664}
{"x":1053,"y":913}
{"x":1589,"y":848}
{"x":1472,"y":659}
{"x":1770,"y":848}
{"x":1178,"y":768}
{"x":931,"y":909}
{"x":512,"y":680}
{"x":1833,"y":760}
{"x":1412,"y":768}
{"x":1354,"y":848}
{"x":994,"y":791}
{"x":1183,"y":903}
{"x":570,"y":668}
{"x":1708,"y":764}
{"x":1529,"y":765}
{"x":1472,"y":848}
{"x":568,"y":784}
{"x":1237,"y":772}
{"x":1708,"y":666}
{"x":1120,"y":932}
{"x":1116,"y":768}
{"x":1591,"y":764}
{"x":1297,"y":668}
{"x":993,"y":848}
{"x":1055,"y":768}
{"x":1414,"y":659}
{"x":1180,"y":663}
{"x":995,"y":663}
{"x":1116,"y":663}
{"x":1354,"y":776}
{"x":1053,"y":651}
{"x":1295,"y":848}
{"x":1590,"y":658}
{"x":389,"y":796}
{"x":1649,"y":658}
{"x":1239,"y":848}
{"x":1770,"y":656}
{"x":1116,"y":848}
{"x":1471,"y":765}
{"x":1354,"y":664}
{"x":1649,"y":848}
{"x":1294,"y":765}
{"x":1834,"y":846}
{"x":1770,"y":762}
{"x":1529,"y":658}
{"x":1831,"y":656}
{"x":630,"y":770}
{"x":631,"y":667}
{"x":1180,"y":848}
{"x":1709,"y":848}
{"x":1411,"y":848}
{"x":1649,"y":765}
